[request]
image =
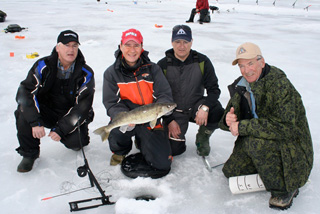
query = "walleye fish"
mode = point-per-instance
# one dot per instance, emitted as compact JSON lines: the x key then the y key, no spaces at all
{"x":143,"y":114}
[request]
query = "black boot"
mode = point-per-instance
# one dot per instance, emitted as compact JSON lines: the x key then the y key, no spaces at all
{"x":202,"y":141}
{"x":193,"y":12}
{"x":26,"y":164}
{"x":282,"y":201}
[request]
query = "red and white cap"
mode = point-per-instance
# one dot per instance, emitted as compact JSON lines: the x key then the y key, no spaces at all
{"x":131,"y":34}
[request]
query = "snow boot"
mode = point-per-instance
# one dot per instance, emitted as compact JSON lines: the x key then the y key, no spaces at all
{"x":116,"y":159}
{"x":282,"y":201}
{"x":26,"y":164}
{"x":202,"y":141}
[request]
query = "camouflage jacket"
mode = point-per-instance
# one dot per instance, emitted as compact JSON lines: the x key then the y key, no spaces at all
{"x":281,"y":118}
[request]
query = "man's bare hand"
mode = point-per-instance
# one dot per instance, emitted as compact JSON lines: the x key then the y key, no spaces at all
{"x":38,"y":132}
{"x":201,"y":117}
{"x":54,"y":136}
{"x":174,"y":129}
{"x":231,"y":117}
{"x":234,"y":128}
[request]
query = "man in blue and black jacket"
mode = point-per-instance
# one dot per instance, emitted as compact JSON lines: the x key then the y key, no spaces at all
{"x":57,"y":94}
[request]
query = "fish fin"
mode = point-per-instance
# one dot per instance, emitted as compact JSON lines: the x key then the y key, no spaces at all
{"x":123,"y":129}
{"x":153,"y":123}
{"x":102,"y":132}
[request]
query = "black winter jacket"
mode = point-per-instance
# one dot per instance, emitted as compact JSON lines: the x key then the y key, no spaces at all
{"x":209,"y":79}
{"x":34,"y":90}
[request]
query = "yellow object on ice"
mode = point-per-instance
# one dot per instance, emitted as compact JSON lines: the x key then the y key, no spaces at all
{"x":32,"y":55}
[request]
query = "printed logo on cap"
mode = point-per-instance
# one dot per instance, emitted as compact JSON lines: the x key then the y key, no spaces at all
{"x":70,"y":34}
{"x":181,"y":31}
{"x":131,"y":33}
{"x":242,"y":50}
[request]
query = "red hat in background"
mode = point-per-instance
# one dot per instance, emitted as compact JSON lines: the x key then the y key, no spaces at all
{"x":131,"y":34}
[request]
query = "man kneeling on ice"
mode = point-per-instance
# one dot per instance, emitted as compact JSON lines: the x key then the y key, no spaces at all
{"x":57,"y":94}
{"x":267,"y":115}
{"x":133,"y":81}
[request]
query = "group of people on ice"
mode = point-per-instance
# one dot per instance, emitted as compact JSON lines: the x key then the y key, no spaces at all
{"x":265,"y":111}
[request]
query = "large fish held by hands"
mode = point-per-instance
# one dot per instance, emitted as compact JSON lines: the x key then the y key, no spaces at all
{"x":143,"y":114}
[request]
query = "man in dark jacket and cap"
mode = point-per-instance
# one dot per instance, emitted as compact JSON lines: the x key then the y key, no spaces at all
{"x":190,"y":74}
{"x":57,"y":94}
{"x":267,"y":115}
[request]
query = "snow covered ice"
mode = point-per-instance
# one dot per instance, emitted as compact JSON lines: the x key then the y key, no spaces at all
{"x":287,"y":36}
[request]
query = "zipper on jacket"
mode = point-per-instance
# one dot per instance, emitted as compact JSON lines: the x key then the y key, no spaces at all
{"x":139,"y":89}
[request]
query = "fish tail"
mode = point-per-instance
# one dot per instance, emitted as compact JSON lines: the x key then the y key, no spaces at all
{"x":102,"y":132}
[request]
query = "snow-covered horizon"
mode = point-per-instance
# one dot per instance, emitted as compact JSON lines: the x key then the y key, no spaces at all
{"x":288,"y":38}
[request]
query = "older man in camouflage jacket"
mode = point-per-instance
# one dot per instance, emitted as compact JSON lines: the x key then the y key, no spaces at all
{"x":267,"y":114}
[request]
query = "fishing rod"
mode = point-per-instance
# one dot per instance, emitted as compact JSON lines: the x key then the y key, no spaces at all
{"x":307,"y":7}
{"x":82,"y":172}
{"x":67,"y":193}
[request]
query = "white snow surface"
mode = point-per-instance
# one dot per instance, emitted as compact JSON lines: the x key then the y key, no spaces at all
{"x":287,"y":36}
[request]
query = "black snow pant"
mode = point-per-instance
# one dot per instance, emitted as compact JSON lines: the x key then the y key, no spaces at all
{"x":203,"y":14}
{"x":153,"y":144}
{"x":30,"y":146}
{"x":178,"y":146}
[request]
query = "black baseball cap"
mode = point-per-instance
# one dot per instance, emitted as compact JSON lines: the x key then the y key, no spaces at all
{"x":68,"y":36}
{"x":181,"y":32}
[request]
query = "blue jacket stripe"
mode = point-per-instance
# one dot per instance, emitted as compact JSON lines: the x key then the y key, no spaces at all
{"x":40,"y":66}
{"x":88,"y":77}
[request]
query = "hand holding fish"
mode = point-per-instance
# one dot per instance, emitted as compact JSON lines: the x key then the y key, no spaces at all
{"x":143,"y":114}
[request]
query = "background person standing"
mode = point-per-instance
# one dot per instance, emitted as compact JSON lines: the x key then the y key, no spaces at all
{"x":202,"y":6}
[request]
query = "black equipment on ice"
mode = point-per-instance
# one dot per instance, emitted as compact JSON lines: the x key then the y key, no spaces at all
{"x":82,"y":172}
{"x":3,"y":16}
{"x":135,"y":165}
{"x":12,"y":28}
{"x":213,"y":8}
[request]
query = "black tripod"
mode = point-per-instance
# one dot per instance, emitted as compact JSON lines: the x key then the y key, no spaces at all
{"x":82,"y":172}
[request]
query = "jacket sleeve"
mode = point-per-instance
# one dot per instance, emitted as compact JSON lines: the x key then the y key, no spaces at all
{"x":162,"y":90}
{"x":82,"y":109}
{"x":279,"y":122}
{"x":163,"y":65}
{"x":211,"y":84}
{"x":111,"y":94}
{"x":27,"y":94}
